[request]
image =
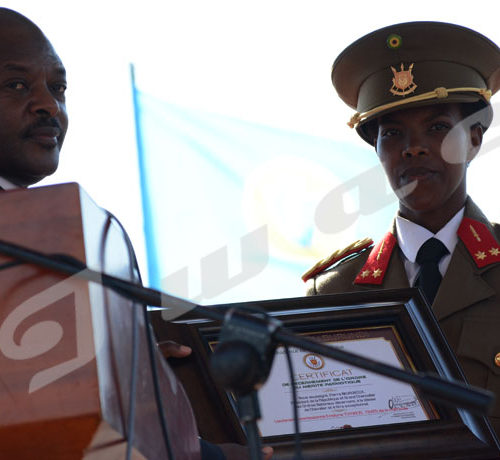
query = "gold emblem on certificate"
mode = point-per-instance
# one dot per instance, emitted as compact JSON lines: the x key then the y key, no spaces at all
{"x":313,"y":361}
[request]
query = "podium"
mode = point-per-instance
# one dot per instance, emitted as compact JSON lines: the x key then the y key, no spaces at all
{"x":66,"y":345}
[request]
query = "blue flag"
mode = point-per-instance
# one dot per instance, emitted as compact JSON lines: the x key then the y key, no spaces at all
{"x":237,"y":211}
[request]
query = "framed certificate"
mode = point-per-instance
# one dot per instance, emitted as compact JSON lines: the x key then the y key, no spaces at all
{"x":332,"y":395}
{"x":344,"y":411}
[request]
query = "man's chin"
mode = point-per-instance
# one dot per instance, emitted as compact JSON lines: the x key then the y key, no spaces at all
{"x":31,"y":176}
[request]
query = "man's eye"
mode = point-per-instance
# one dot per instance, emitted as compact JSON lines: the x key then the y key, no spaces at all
{"x":17,"y":85}
{"x":60,"y":88}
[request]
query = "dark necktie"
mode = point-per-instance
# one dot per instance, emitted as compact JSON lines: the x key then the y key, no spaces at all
{"x":428,"y":257}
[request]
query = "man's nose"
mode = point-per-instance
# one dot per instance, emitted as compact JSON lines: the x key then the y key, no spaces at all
{"x":44,"y":102}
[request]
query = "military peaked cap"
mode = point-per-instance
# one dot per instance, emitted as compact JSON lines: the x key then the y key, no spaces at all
{"x":416,"y":64}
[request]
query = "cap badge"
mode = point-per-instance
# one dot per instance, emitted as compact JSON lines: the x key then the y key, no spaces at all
{"x":402,"y":83}
{"x":394,"y":41}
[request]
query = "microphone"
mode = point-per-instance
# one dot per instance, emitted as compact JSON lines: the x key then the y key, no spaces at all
{"x":243,"y":358}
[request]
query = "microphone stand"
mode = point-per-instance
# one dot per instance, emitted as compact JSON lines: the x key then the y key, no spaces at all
{"x":257,"y":335}
{"x":241,"y":363}
{"x":249,"y":413}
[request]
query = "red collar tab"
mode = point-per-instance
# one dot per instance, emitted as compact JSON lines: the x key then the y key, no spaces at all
{"x":373,"y":271}
{"x":481,"y":244}
{"x":340,"y":254}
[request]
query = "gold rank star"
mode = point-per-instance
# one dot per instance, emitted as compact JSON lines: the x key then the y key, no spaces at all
{"x":494,"y":251}
{"x":480,"y":255}
{"x":377,"y":273}
{"x":365,"y":273}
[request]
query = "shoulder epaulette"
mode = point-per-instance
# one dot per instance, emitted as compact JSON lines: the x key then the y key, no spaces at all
{"x":375,"y":267}
{"x":340,"y":254}
{"x":479,"y":242}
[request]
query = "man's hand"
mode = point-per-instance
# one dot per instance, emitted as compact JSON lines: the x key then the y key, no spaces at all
{"x":267,"y":452}
{"x":238,"y":452}
{"x":171,"y":349}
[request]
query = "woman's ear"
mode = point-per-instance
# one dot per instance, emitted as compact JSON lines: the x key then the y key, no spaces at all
{"x":373,"y":132}
{"x":476,"y":140}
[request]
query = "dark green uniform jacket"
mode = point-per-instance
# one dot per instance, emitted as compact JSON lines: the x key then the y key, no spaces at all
{"x":467,"y":305}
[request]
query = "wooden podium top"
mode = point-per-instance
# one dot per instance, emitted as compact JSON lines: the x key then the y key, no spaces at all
{"x":66,"y":345}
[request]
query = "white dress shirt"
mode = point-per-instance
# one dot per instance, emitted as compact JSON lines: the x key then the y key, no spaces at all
{"x":7,"y":185}
{"x":411,"y":236}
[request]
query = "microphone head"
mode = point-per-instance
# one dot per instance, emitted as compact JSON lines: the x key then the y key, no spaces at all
{"x":236,"y":366}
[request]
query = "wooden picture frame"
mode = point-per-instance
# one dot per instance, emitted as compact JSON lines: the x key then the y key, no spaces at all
{"x":447,"y":433}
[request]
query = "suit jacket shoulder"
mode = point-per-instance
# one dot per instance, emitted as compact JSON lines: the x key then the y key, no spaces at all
{"x":496,"y":230}
{"x":338,"y":277}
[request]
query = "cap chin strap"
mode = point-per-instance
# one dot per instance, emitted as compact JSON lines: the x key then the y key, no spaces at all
{"x":438,"y":93}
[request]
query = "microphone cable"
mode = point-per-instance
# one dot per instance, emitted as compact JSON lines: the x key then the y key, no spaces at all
{"x":151,"y":349}
{"x":130,"y":424}
{"x":297,"y":440}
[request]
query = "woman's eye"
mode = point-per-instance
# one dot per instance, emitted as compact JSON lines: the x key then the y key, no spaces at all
{"x":440,"y":127}
{"x":389,"y":132}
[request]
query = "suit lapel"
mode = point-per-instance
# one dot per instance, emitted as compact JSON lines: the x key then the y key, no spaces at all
{"x":396,"y":273}
{"x":463,"y":284}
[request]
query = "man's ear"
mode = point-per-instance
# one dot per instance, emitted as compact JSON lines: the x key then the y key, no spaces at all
{"x":476,"y":138}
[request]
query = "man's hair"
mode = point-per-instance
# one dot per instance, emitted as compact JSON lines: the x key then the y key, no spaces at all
{"x":9,"y":18}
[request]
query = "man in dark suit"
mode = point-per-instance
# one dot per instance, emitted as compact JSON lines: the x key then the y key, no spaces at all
{"x":33,"y":124}
{"x":422,"y":93}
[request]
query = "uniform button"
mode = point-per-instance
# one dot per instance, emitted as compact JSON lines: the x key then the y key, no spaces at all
{"x":497,"y":359}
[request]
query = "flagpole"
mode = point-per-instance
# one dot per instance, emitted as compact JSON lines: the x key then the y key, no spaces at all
{"x":149,"y":229}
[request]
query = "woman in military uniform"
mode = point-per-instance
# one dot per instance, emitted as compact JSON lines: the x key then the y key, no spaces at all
{"x":422,"y":94}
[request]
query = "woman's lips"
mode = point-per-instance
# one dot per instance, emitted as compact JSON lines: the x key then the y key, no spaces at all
{"x":420,"y":173}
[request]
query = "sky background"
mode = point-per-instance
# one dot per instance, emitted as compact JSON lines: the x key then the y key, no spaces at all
{"x":266,"y":62}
